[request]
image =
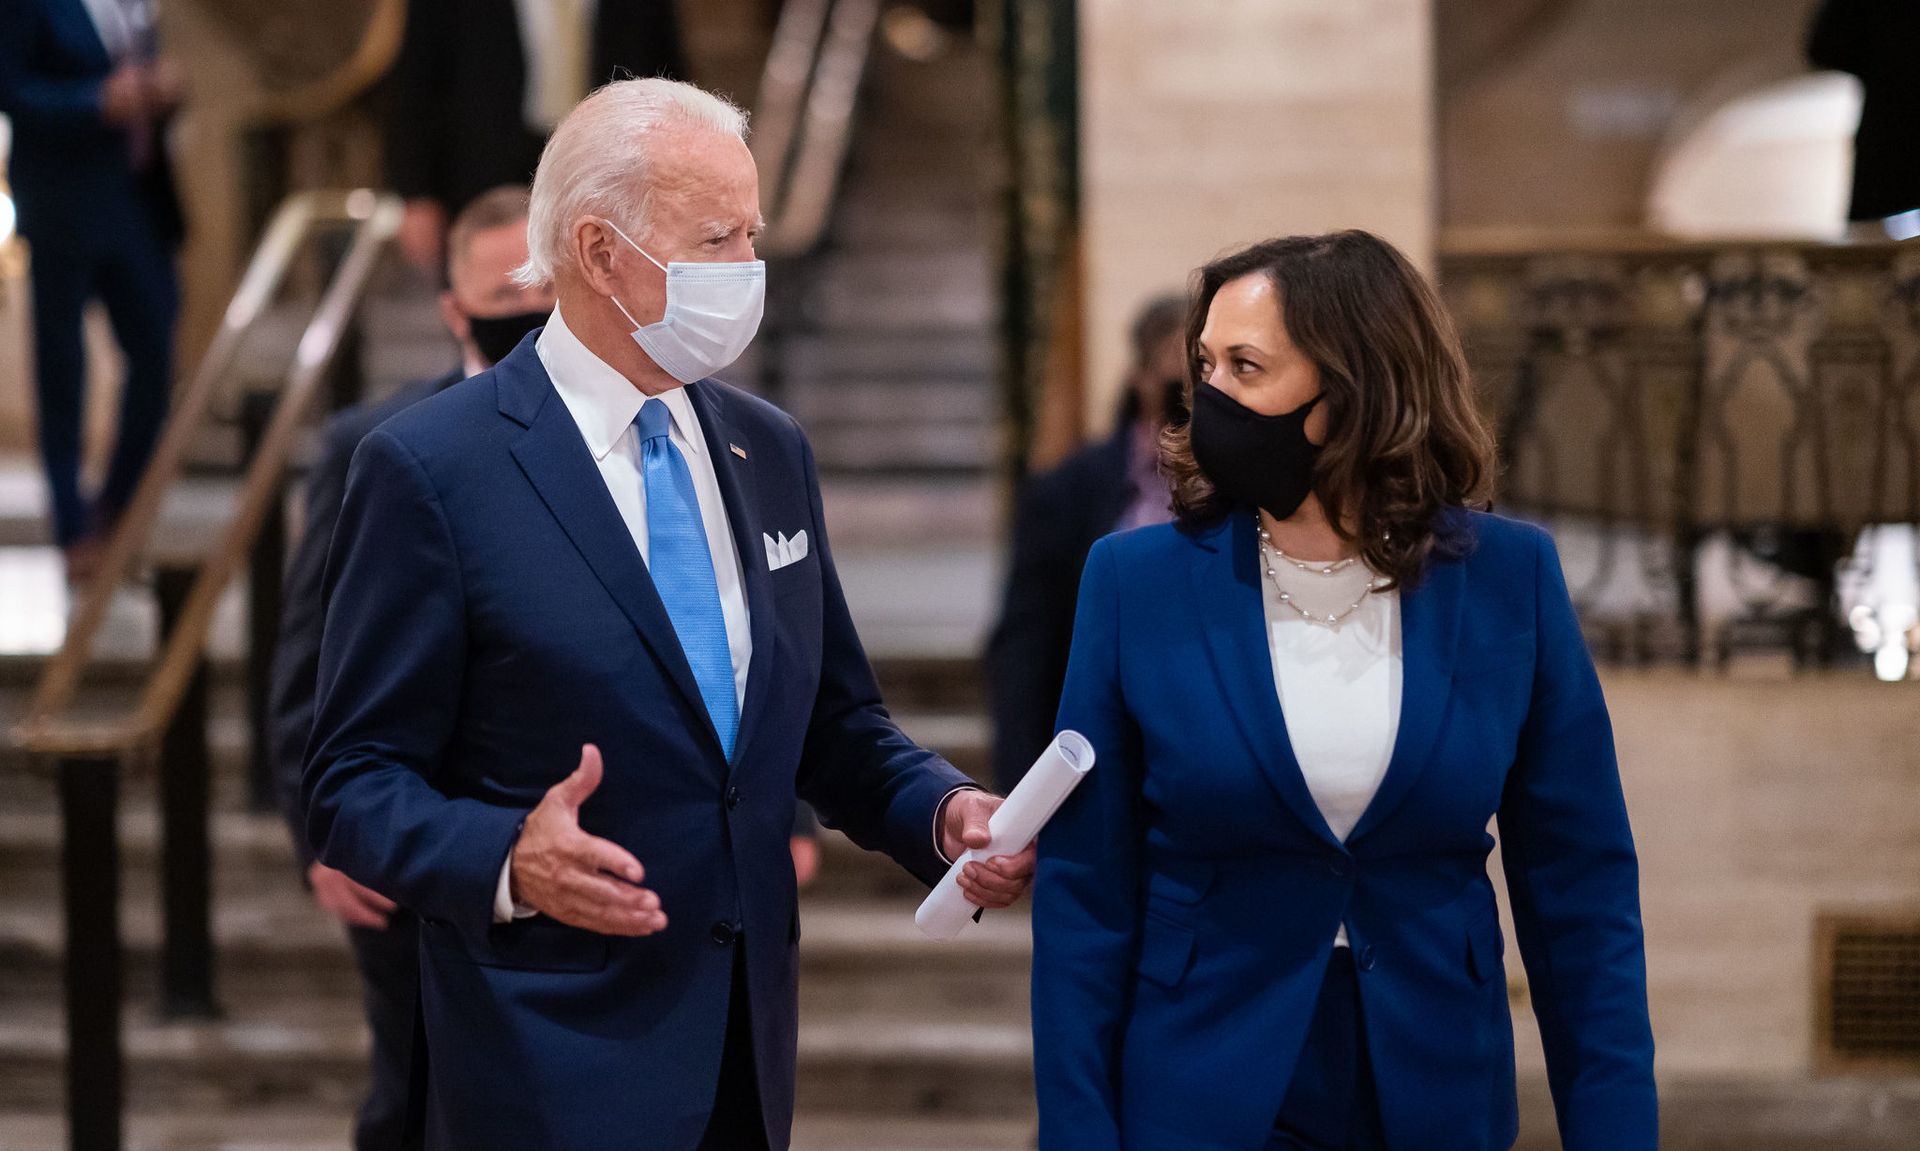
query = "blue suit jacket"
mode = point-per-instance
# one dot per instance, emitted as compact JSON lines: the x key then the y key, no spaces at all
{"x":1189,"y":892}
{"x":488,"y":614}
{"x":296,"y":650}
{"x":69,"y":168}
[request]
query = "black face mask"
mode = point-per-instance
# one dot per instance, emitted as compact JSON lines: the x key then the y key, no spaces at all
{"x":495,"y":336}
{"x":1173,"y":403}
{"x":1263,"y":461}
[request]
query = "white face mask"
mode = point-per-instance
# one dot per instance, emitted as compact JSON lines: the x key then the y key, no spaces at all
{"x":713,"y":311}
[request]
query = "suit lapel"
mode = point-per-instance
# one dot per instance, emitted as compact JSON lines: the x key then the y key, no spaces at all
{"x":557,"y":463}
{"x":1429,"y":636}
{"x":740,"y":493}
{"x":84,"y":33}
{"x":1226,"y":584}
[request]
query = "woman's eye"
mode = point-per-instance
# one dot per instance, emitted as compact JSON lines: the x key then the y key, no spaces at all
{"x":1242,"y":367}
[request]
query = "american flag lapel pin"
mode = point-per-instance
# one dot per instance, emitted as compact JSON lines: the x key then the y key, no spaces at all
{"x":738,"y":450}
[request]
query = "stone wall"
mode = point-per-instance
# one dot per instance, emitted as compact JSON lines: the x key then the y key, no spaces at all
{"x":1755,"y":804}
{"x":1566,"y":124}
{"x":1211,"y":123}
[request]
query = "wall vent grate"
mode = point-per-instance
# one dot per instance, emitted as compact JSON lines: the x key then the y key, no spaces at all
{"x":1867,"y":989}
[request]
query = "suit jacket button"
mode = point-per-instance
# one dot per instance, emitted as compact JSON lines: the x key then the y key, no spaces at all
{"x":725,"y":933}
{"x":733,"y":797}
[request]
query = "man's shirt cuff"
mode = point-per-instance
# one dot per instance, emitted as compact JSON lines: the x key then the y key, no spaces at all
{"x":505,"y":910}
{"x":940,"y":817}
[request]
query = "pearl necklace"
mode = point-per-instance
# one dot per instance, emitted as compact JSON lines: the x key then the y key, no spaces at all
{"x":1331,"y":618}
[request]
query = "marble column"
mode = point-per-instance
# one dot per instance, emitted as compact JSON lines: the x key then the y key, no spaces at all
{"x":1206,"y":124}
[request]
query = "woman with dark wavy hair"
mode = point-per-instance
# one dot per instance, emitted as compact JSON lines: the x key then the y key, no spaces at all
{"x":1265,"y":920}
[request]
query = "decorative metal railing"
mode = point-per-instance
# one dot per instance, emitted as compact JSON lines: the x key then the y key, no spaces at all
{"x":1705,"y":425}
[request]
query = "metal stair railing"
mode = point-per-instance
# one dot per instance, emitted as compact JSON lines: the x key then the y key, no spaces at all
{"x":804,"y":122}
{"x":168,"y":721}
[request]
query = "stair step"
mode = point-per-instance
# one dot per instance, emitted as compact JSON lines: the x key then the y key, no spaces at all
{"x":886,"y":404}
{"x":908,"y":449}
{"x":856,"y":925}
{"x":318,"y":1129}
{"x":956,"y":217}
{"x":959,"y":737}
{"x":1696,"y":1115}
{"x":314,"y":1054}
{"x":941,"y":353}
{"x":902,"y":270}
{"x":902,"y":308}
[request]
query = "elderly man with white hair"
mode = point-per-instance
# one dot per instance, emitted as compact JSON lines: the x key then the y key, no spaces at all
{"x":584,"y":644}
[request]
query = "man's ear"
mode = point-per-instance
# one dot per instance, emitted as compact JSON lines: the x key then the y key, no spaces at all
{"x":594,"y":247}
{"x":454,"y":318}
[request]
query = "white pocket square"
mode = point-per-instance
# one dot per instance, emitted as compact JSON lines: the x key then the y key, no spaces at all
{"x":783,"y":551}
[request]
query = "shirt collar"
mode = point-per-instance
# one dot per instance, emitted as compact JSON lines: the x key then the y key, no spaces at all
{"x":601,"y":400}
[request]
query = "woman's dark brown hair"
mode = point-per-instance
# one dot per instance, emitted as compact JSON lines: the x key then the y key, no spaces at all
{"x":1404,"y":438}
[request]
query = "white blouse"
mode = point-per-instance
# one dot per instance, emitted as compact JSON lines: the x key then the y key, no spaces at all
{"x":1339,"y":685}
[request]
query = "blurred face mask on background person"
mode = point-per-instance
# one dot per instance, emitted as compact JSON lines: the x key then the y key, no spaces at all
{"x":495,"y":336}
{"x":713,"y":312}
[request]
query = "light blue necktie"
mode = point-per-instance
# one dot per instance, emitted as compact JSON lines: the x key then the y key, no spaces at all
{"x":682,"y":569}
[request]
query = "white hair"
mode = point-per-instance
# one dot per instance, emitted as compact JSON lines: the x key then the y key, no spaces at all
{"x":597,"y":163}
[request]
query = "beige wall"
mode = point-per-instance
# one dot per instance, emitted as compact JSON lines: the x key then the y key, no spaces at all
{"x":1211,"y":123}
{"x":1565,"y":126}
{"x":1757,"y":801}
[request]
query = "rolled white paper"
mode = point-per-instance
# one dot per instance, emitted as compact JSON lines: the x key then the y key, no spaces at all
{"x":1016,"y":823}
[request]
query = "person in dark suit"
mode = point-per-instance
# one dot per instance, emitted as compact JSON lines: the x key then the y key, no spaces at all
{"x":487,"y":313}
{"x":582,"y":612}
{"x":1875,"y":41}
{"x":480,"y":83}
{"x":1114,"y":483}
{"x":90,"y":97}
{"x":1265,"y":920}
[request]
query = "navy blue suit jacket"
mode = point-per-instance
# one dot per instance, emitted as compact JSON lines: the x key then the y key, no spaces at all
{"x":1189,"y":892}
{"x":69,"y":168}
{"x":488,"y":614}
{"x":296,"y":650}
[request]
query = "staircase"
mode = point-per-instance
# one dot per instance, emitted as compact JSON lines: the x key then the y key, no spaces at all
{"x":904,"y":1044}
{"x":887,"y":361}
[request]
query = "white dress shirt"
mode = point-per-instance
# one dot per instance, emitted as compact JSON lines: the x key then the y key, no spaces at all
{"x":603,"y":404}
{"x":123,"y":25}
{"x":1339,"y":686}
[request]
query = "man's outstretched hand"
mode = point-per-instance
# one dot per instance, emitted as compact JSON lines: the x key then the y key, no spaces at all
{"x":579,"y":879}
{"x":998,"y":882}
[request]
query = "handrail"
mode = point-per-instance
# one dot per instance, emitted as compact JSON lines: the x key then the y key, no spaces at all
{"x":1502,"y":243}
{"x":376,"y":218}
{"x":372,"y":57}
{"x":805,"y":119}
{"x":783,"y":90}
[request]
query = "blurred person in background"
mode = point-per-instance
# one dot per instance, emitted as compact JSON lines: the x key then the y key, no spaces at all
{"x":487,"y":313}
{"x":480,"y":84}
{"x":1103,"y":487}
{"x":1876,"y":41}
{"x":90,"y":97}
